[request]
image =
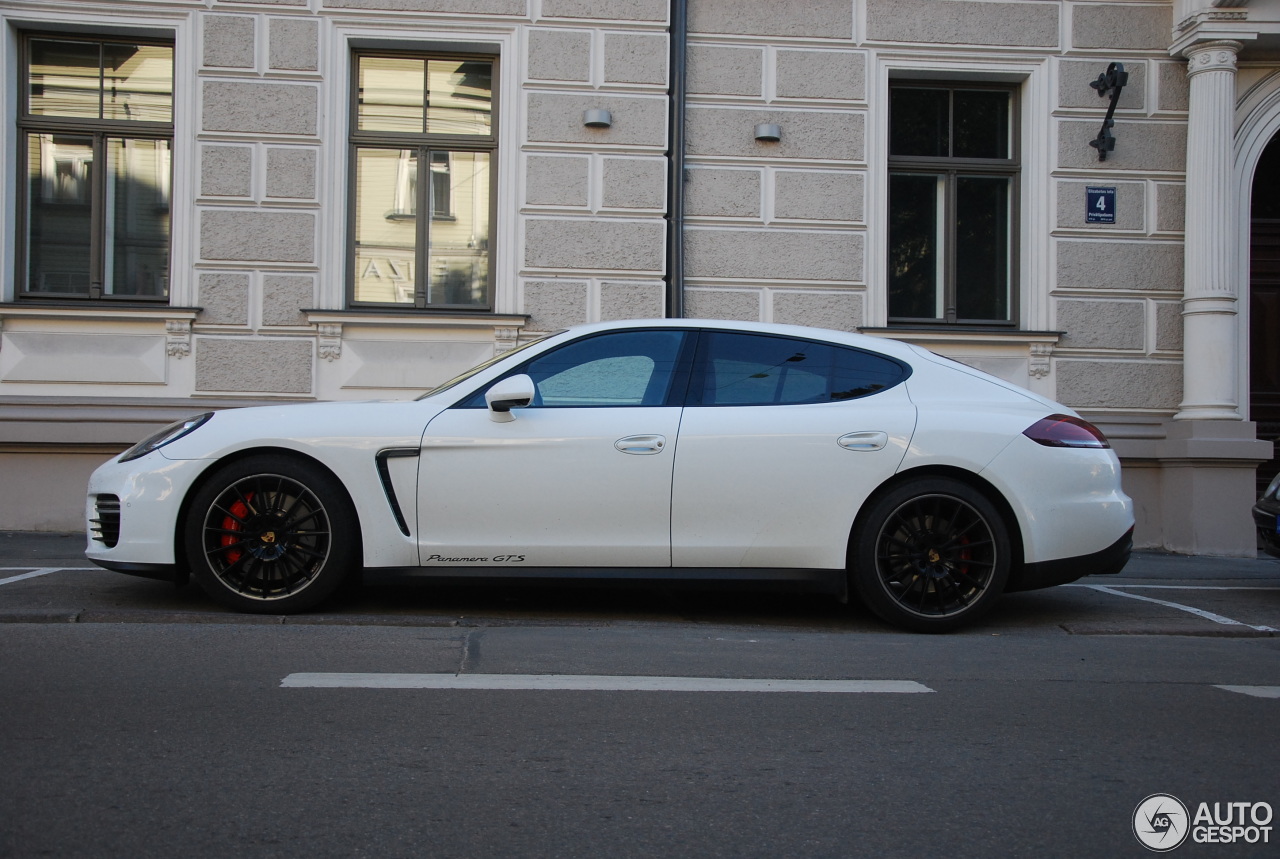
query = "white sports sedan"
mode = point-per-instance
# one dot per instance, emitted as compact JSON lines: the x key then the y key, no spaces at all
{"x":653,"y":450}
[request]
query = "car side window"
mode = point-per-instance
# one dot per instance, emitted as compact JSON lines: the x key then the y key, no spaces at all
{"x":624,"y":368}
{"x":764,"y":370}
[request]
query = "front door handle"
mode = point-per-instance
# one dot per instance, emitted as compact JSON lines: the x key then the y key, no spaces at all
{"x":641,"y":444}
{"x":869,"y":440}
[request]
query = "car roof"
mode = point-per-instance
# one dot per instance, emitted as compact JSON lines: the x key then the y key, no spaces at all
{"x":895,"y":348}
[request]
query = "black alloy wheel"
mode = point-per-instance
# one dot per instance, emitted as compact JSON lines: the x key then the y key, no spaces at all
{"x":931,"y":555}
{"x":271,"y":534}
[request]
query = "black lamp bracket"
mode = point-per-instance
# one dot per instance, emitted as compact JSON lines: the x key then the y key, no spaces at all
{"x":1111,"y":82}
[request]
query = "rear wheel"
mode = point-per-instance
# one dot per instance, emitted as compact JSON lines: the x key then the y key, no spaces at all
{"x":931,"y":555}
{"x":271,"y":535}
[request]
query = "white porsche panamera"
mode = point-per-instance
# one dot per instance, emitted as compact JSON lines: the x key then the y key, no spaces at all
{"x":653,"y":450}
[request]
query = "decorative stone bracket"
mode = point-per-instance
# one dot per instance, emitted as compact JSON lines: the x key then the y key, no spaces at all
{"x":330,"y":340}
{"x":1039,"y":365}
{"x":177,"y":338}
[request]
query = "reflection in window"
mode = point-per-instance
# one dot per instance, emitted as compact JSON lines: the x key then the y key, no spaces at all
{"x":100,"y":80}
{"x":423,"y":143}
{"x":630,"y":368}
{"x":96,"y":122}
{"x":407,"y":95}
{"x":390,"y":244}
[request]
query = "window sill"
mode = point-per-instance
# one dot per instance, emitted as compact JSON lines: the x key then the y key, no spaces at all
{"x":412,"y":317}
{"x":97,"y":310}
{"x":963,"y":334}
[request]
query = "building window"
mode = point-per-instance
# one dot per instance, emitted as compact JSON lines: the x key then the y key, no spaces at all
{"x":953,"y":187}
{"x":422,"y":141}
{"x":96,"y":129}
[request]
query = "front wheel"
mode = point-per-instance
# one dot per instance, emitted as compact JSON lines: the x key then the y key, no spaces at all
{"x":930,"y":555}
{"x":271,"y":535}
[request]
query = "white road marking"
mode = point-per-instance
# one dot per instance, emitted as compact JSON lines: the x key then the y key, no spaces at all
{"x":1199,"y":612}
{"x":591,"y":683}
{"x":1255,"y":691}
{"x":1190,"y":587}
{"x":44,"y":571}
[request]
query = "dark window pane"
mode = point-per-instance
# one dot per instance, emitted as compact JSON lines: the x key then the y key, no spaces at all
{"x":137,"y":219}
{"x":918,"y":122}
{"x":858,"y":374}
{"x":631,"y":368}
{"x":65,"y":78}
{"x":915,"y":261}
{"x":759,"y":370}
{"x":982,"y":247}
{"x":981,"y":128}
{"x":137,"y":83}
{"x":59,"y":194}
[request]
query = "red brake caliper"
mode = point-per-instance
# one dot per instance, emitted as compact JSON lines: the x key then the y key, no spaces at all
{"x":239,"y":511}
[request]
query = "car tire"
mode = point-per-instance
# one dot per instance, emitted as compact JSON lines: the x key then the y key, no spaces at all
{"x":271,"y":534}
{"x":930,"y":555}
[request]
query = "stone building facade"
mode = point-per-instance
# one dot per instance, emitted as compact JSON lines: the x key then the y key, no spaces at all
{"x":254,"y":224}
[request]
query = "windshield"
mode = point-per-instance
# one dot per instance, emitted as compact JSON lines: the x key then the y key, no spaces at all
{"x":462,"y":377}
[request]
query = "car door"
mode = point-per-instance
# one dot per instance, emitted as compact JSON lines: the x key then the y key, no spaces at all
{"x":781,"y":441}
{"x":579,"y":478}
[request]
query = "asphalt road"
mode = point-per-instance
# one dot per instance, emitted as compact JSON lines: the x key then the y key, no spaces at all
{"x":141,"y":720}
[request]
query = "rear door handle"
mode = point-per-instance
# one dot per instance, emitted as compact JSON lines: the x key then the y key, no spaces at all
{"x":869,"y":440}
{"x":641,"y":444}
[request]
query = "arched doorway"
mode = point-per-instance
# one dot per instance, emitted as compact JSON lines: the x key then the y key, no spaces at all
{"x":1264,"y":297}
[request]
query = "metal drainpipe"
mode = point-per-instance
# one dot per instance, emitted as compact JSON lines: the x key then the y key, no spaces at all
{"x":675,"y":159}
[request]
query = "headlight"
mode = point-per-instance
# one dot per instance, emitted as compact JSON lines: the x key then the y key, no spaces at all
{"x":1272,"y":487}
{"x":157,"y":440}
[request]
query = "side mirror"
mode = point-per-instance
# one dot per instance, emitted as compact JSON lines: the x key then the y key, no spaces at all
{"x":515,"y":392}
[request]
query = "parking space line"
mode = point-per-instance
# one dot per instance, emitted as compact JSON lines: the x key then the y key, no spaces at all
{"x":1193,"y":587}
{"x":1255,"y":691}
{"x":591,"y":683}
{"x":1199,"y":612}
{"x":43,"y":571}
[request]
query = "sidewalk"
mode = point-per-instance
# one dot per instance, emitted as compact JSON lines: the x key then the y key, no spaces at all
{"x":44,"y":549}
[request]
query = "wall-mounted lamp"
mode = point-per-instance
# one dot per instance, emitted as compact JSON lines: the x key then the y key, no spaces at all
{"x":768,"y":132}
{"x":1110,"y":83}
{"x":597,"y":117}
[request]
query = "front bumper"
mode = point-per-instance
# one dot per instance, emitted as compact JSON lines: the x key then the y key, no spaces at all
{"x":1266,"y":518}
{"x":142,"y":501}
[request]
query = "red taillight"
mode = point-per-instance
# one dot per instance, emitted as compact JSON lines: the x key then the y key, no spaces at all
{"x":1066,"y":431}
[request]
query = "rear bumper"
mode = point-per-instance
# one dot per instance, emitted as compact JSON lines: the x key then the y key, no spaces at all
{"x":1044,"y":574}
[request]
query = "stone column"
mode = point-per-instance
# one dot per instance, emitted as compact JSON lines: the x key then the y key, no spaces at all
{"x":1211,"y":347}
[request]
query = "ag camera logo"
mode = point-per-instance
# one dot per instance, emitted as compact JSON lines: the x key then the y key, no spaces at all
{"x":1160,"y":822}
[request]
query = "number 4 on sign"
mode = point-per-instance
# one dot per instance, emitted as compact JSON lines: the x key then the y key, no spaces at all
{"x":1100,"y":205}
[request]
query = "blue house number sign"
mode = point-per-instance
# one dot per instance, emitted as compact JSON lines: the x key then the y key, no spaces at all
{"x":1101,"y":205}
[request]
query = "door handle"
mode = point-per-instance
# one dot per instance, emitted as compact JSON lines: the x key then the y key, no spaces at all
{"x":869,"y":440}
{"x":641,"y":444}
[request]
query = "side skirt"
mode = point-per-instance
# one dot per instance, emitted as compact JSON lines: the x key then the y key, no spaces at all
{"x":817,"y":581}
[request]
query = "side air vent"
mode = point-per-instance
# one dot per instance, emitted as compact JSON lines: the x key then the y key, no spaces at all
{"x":106,"y":525}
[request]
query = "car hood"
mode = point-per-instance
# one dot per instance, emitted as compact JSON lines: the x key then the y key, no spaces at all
{"x":373,"y":424}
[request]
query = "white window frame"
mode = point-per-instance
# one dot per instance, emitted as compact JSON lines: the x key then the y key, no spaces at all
{"x":338,"y":45}
{"x":1036,"y":91}
{"x":178,"y":27}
